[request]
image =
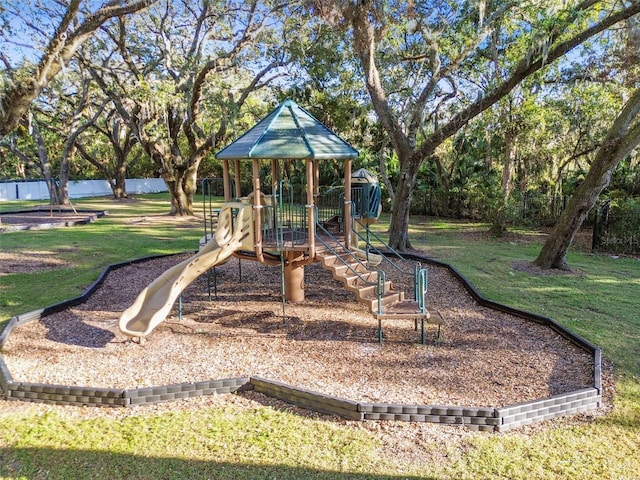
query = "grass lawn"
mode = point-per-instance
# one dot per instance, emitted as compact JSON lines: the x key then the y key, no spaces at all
{"x":599,"y":301}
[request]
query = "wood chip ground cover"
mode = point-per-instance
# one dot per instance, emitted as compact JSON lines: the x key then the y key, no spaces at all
{"x":327,"y":343}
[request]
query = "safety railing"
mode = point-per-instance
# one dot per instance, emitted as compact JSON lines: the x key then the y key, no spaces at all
{"x":352,"y":259}
{"x":285,"y":221}
{"x":330,"y":209}
{"x":387,"y":255}
{"x":421,"y":284}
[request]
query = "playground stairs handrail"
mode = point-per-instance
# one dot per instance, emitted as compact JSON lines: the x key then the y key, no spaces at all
{"x":370,"y":286}
{"x":384,"y":254}
{"x":340,"y":256}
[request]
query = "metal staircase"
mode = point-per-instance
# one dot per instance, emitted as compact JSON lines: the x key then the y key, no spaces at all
{"x":372,"y":288}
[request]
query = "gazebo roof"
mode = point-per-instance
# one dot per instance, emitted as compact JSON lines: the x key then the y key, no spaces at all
{"x":288,"y":132}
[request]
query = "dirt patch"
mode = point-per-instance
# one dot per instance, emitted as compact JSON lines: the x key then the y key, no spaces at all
{"x":533,"y":269}
{"x":167,"y":220}
{"x":29,"y":262}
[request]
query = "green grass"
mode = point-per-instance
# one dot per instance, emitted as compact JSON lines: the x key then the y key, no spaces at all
{"x":226,"y":442}
{"x":599,"y":302}
{"x":87,"y":250}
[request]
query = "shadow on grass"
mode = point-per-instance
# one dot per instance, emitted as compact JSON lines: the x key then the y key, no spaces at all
{"x":49,"y":463}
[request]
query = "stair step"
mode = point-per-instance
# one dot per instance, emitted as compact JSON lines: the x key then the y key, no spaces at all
{"x":336,"y":259}
{"x":348,"y":269}
{"x":368,"y":292}
{"x":387,"y":299}
{"x":406,"y":309}
{"x":364,"y":279}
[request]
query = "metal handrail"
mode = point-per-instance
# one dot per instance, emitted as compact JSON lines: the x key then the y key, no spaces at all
{"x":381,"y":289}
{"x":422,"y":286}
{"x":388,"y":249}
{"x":385,"y":258}
{"x":346,"y":250}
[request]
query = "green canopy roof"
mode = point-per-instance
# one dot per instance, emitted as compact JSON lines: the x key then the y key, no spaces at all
{"x":288,"y":132}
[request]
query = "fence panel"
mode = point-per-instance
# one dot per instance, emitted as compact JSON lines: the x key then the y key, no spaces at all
{"x":616,"y":231}
{"x":37,"y":189}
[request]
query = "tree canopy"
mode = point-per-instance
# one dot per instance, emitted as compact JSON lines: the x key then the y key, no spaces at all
{"x":499,"y":98}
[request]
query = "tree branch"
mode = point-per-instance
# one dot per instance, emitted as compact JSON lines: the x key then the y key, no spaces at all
{"x":527,"y":66}
{"x":15,"y":102}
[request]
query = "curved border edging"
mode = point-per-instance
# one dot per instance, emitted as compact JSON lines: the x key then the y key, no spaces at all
{"x":474,"y":418}
{"x":534,"y":317}
{"x":58,"y":307}
{"x":62,"y":223}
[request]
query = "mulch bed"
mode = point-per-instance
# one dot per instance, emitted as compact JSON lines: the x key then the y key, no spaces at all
{"x":327,"y":343}
{"x":43,"y":218}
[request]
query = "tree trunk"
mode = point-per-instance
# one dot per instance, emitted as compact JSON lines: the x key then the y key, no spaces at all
{"x":63,"y":185}
{"x":399,"y":225}
{"x":180,"y":204}
{"x":183,"y":189}
{"x":387,"y":181}
{"x":44,"y":163}
{"x":119,"y":187}
{"x":621,"y":139}
{"x":499,"y":220}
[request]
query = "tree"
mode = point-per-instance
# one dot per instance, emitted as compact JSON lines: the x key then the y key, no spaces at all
{"x":169,"y":74}
{"x":29,"y":145}
{"x":20,"y":87}
{"x":621,"y":139}
{"x":53,"y":128}
{"x":111,"y":163}
{"x":420,"y":63}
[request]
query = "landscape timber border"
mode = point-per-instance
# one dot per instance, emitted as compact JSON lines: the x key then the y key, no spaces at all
{"x":473,"y":418}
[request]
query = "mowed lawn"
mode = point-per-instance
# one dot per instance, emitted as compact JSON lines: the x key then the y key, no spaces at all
{"x":244,"y":439}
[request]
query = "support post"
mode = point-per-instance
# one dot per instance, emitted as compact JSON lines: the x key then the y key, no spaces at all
{"x":316,"y":177}
{"x":226,"y":180}
{"x":236,"y":167}
{"x":294,"y":276}
{"x":347,"y":203}
{"x":257,"y":211}
{"x":275,"y":175}
{"x":311,"y":216}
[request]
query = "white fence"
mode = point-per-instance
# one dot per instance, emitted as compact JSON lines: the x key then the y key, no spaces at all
{"x":37,"y":190}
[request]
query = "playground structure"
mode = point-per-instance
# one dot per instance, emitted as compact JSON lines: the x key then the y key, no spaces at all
{"x":291,"y":224}
{"x":282,"y":217}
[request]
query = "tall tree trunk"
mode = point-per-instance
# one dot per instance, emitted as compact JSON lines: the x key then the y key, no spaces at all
{"x":399,"y":224}
{"x":182,"y":187}
{"x":119,"y":187}
{"x":44,"y":163}
{"x":499,"y":220}
{"x":622,"y":138}
{"x":386,"y":180}
{"x":180,"y":205}
{"x":63,"y":185}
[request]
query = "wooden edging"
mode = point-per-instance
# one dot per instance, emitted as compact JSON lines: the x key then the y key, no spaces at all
{"x":473,"y":418}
